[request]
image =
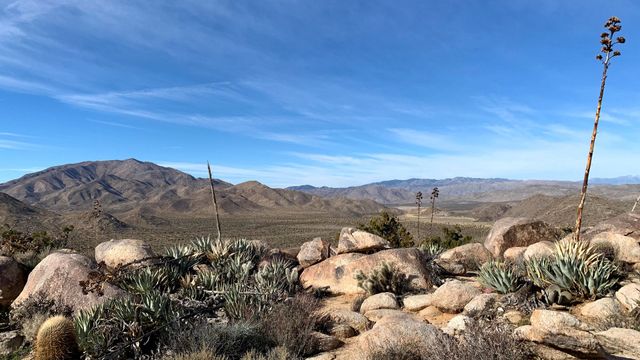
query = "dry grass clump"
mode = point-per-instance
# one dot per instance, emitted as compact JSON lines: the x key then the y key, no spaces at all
{"x":291,"y":324}
{"x":482,"y":340}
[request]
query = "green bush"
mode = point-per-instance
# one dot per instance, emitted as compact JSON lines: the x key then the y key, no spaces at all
{"x":390,"y":228}
{"x":499,"y":276}
{"x":384,"y":278}
{"x":451,"y":237}
{"x":575,"y":267}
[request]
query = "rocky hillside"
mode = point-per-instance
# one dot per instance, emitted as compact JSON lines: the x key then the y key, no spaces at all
{"x":557,"y":210}
{"x":132,"y":188}
{"x":475,"y":189}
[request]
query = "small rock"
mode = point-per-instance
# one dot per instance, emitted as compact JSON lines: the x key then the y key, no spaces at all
{"x":514,"y":316}
{"x":416,"y":302}
{"x":376,"y":315}
{"x":379,"y":301}
{"x":326,"y":342}
{"x":350,"y":318}
{"x":313,"y":252}
{"x":514,"y":255}
{"x":629,"y":296}
{"x":452,"y":296}
{"x":457,"y":325}
{"x":354,"y":240}
{"x":429,"y":313}
{"x":10,"y":342}
{"x":343,"y":331}
{"x":480,"y":303}
{"x":542,"y":249}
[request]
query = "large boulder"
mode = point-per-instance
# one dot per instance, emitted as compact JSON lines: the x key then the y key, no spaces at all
{"x":626,"y":224}
{"x":622,"y":343}
{"x":379,"y":301}
{"x":338,"y":272}
{"x":114,"y":253}
{"x":510,"y":232}
{"x":57,"y":278}
{"x":561,"y":331}
{"x":625,"y":248}
{"x":12,"y":280}
{"x":629,"y":296}
{"x":354,"y":240}
{"x":312,"y":252}
{"x":468,"y":257}
{"x":453,"y":296}
{"x":398,"y":329}
{"x":603,"y":309}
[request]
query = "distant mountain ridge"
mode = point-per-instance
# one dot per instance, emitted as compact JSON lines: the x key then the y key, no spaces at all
{"x":476,"y":189}
{"x":134,"y":190}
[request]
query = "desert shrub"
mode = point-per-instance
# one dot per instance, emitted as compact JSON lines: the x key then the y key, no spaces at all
{"x":384,"y":278}
{"x":576,"y":268}
{"x":279,"y":353}
{"x":34,"y":311}
{"x":291,"y":324}
{"x":30,"y":248}
{"x":451,"y":237}
{"x":390,"y":228}
{"x":228,"y":341}
{"x":499,"y":276}
{"x":482,"y":340}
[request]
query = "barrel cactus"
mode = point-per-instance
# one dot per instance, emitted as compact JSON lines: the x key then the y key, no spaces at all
{"x":56,"y":340}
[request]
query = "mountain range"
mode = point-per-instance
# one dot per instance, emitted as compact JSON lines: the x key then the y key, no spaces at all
{"x":142,"y":192}
{"x":476,"y":189}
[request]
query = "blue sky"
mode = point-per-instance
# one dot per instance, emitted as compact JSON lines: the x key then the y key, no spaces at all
{"x":319,"y":92}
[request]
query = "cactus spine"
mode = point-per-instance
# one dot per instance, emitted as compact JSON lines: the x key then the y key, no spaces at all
{"x":56,"y":340}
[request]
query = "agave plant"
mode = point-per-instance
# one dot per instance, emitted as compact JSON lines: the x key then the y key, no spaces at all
{"x":276,"y":278}
{"x":499,"y":276}
{"x":146,"y":279}
{"x":432,"y":249}
{"x":125,"y":328}
{"x":574,"y":267}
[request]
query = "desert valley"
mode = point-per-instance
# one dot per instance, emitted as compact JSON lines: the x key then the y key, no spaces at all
{"x":319,"y":180}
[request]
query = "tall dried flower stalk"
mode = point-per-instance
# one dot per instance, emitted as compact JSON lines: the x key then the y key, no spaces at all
{"x":419,"y":204}
{"x":434,"y":195}
{"x":607,"y":53}
{"x":215,"y":202}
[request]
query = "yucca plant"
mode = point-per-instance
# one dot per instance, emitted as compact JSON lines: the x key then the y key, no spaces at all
{"x":500,"y":277}
{"x":385,"y":278}
{"x":575,"y":267}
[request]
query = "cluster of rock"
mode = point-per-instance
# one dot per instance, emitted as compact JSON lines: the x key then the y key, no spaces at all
{"x":386,"y":318}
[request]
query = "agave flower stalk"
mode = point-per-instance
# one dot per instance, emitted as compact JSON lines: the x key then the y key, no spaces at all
{"x":607,"y":53}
